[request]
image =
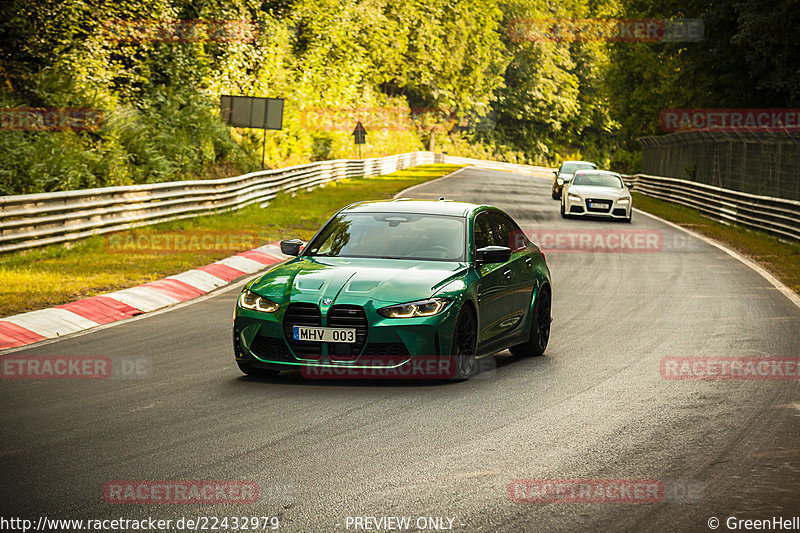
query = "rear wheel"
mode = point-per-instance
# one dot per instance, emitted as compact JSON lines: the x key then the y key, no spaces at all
{"x":465,"y":340}
{"x":540,"y":327}
{"x":251,"y":370}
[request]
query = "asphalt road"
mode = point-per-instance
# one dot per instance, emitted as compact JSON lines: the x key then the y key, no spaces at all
{"x":594,"y":407}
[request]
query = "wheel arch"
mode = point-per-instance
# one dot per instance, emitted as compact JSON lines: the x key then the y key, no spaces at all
{"x":542,"y":283}
{"x":469,"y":304}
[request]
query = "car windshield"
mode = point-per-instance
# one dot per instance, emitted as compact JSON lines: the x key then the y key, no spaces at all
{"x":570,"y":168}
{"x":599,"y":180}
{"x":391,"y":236}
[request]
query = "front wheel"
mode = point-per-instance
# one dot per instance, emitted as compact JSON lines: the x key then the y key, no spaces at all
{"x":540,"y":327}
{"x":630,"y":217}
{"x":465,"y":341}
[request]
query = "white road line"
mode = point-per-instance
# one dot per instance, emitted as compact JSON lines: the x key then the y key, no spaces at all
{"x":789,"y":293}
{"x":402,"y":193}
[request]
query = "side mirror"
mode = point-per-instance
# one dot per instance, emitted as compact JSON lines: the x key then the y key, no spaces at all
{"x":291,"y":246}
{"x":629,"y":184}
{"x":493,"y":254}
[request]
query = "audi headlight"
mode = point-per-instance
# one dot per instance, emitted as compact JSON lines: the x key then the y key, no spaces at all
{"x":575,"y":198}
{"x":254,"y":302}
{"x":415,"y":309}
{"x":624,"y":201}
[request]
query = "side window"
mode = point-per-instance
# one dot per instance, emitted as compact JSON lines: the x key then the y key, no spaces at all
{"x":506,"y":232}
{"x":483,"y":231}
{"x":517,"y":239}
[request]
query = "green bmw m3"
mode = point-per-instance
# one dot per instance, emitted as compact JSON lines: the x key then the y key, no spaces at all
{"x":393,"y":280}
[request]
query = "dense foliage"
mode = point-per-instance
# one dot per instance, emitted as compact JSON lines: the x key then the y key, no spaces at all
{"x":338,"y":61}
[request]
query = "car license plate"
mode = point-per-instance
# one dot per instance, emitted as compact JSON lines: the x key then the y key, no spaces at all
{"x":598,"y":205}
{"x":321,"y":334}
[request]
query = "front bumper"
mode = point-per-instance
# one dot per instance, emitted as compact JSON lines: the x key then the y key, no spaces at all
{"x":575,"y":208}
{"x":262,"y":340}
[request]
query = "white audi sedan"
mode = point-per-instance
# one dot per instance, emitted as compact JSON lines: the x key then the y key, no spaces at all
{"x":597,"y":193}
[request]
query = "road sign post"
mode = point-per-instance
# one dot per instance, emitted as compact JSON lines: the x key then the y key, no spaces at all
{"x":359,"y":136}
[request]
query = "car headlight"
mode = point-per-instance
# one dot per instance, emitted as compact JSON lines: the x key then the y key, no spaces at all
{"x":624,"y":201}
{"x":560,"y":181}
{"x":254,"y":302}
{"x":575,"y":197}
{"x":415,"y":309}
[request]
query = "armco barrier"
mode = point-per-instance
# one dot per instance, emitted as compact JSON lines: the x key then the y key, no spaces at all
{"x":31,"y":220}
{"x":28,"y":221}
{"x":777,"y":216}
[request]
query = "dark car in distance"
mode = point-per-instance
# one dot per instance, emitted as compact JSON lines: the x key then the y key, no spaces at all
{"x":563,"y":175}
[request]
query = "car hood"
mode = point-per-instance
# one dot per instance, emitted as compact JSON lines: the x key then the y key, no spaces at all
{"x":594,"y":191}
{"x":354,"y":281}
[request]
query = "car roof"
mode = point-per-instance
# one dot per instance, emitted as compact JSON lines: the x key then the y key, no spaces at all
{"x":413,"y":205}
{"x":587,"y":162}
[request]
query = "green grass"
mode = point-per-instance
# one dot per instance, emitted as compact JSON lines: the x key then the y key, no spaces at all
{"x":53,"y":275}
{"x":779,"y":257}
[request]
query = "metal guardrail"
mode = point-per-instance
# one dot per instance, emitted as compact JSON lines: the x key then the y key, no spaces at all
{"x":778,"y":216}
{"x":32,"y":220}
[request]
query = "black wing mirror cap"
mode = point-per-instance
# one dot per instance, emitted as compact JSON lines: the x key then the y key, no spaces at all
{"x":493,"y":254}
{"x":291,"y":246}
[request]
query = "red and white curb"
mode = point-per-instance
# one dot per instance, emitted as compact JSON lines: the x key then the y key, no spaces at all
{"x":27,"y":328}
